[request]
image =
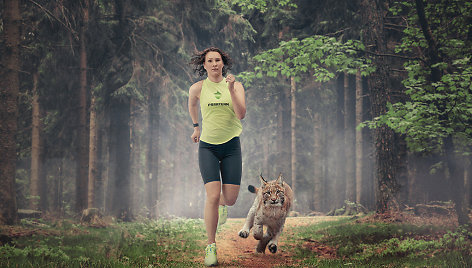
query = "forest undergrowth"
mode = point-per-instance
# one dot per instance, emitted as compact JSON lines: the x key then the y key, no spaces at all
{"x":366,"y":241}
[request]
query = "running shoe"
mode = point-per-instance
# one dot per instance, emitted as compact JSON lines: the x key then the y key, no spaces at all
{"x":210,"y":255}
{"x":222,"y":214}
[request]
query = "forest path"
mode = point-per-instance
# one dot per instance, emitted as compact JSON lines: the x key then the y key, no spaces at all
{"x":234,"y":251}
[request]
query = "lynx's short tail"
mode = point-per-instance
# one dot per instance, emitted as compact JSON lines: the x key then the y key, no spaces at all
{"x":252,"y":189}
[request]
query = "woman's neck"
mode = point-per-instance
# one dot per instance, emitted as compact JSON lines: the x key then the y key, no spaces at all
{"x":215,"y":78}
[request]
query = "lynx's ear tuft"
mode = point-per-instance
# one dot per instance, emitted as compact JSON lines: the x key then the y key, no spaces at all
{"x":263,"y":181}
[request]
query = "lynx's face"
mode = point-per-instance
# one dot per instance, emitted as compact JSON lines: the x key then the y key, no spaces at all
{"x":273,"y":194}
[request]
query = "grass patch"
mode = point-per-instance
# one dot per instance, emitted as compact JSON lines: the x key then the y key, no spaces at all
{"x":348,"y":243}
{"x":161,"y":243}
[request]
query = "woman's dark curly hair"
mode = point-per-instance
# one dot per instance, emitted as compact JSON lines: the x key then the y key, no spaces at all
{"x":199,"y":58}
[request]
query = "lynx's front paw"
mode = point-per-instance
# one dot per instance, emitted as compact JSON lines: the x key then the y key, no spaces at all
{"x":272,"y":248}
{"x":244,"y":233}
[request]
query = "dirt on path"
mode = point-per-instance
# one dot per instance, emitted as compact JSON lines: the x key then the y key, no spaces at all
{"x":234,"y":251}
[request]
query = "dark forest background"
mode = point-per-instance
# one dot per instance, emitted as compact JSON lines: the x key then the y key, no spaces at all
{"x":368,"y":101}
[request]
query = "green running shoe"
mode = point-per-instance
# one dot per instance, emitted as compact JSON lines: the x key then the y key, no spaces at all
{"x":222,"y":214}
{"x":210,"y":255}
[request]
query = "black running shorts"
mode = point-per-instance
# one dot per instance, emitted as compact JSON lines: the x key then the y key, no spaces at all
{"x":222,"y":158}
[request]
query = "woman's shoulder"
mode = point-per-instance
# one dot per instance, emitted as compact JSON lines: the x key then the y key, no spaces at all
{"x":197,"y":85}
{"x":196,"y":88}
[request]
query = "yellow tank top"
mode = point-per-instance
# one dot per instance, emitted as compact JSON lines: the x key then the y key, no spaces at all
{"x":219,"y":122}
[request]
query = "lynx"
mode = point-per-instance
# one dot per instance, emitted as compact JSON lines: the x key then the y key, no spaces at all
{"x":270,"y":208}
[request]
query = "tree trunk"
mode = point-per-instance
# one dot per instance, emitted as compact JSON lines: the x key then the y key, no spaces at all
{"x":413,"y":177}
{"x":93,"y":154}
{"x":339,"y":150}
{"x":120,"y":118}
{"x":359,"y":139}
{"x":467,"y":183}
{"x":349,"y":140}
{"x":38,"y":181}
{"x":58,"y":186}
{"x":134,"y":154}
{"x":457,"y":185}
{"x":82,"y":149}
{"x":293,"y":113}
{"x":9,"y":88}
{"x":152,"y":153}
{"x":118,"y":184}
{"x":111,"y":156}
{"x":380,"y":94}
{"x":137,"y":166}
{"x":103,"y":186}
{"x":101,"y":157}
{"x":318,"y":179}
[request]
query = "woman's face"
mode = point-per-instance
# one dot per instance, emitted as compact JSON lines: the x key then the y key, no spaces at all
{"x":213,"y":63}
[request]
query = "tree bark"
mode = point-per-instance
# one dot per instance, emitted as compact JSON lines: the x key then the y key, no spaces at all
{"x":93,"y":170}
{"x":38,"y":182}
{"x":82,"y":144}
{"x":318,"y":179}
{"x":349,"y":140}
{"x":359,"y":139}
{"x":9,"y":88}
{"x":293,"y":113}
{"x":380,"y":94}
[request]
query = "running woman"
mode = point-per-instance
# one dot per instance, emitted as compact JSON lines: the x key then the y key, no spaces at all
{"x":222,"y":105}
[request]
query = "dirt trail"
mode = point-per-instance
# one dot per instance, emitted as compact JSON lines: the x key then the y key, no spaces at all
{"x":234,"y":251}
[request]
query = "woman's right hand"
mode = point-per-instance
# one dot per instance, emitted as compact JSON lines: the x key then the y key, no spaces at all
{"x":196,"y":135}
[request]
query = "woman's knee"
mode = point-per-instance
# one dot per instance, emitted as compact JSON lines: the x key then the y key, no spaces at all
{"x":231,"y":201}
{"x":213,"y":198}
{"x":212,"y":192}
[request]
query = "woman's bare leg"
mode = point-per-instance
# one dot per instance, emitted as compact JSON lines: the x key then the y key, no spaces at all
{"x":210,"y":214}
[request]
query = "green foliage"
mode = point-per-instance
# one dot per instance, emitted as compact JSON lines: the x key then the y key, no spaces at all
{"x":319,"y":55}
{"x":378,"y":244}
{"x":138,"y":244}
{"x":395,"y":247}
{"x":458,"y":240}
{"x":435,"y":109}
{"x":262,"y":5}
{"x":39,"y":252}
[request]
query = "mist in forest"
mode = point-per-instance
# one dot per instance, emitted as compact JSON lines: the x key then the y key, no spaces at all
{"x":102,"y":117}
{"x":266,"y":150}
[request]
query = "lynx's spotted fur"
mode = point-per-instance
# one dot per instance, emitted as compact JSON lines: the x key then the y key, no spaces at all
{"x":270,"y":208}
